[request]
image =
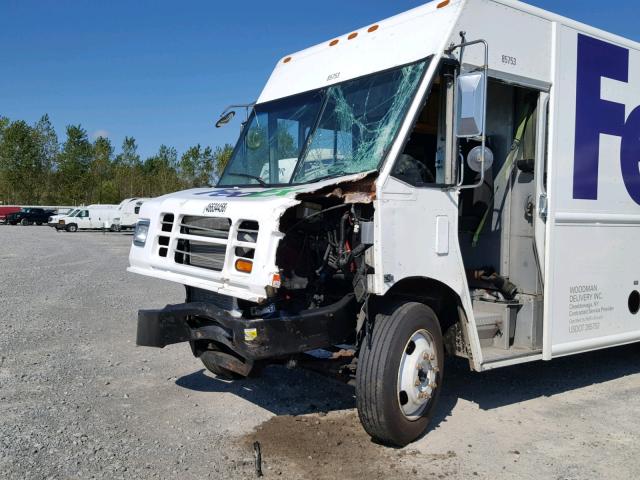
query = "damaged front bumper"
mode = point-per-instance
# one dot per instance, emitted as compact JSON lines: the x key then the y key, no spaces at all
{"x":252,"y":339}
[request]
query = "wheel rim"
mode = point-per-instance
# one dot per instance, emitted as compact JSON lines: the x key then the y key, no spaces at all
{"x":417,"y":374}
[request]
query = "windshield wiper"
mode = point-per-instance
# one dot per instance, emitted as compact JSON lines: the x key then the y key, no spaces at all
{"x":253,"y":177}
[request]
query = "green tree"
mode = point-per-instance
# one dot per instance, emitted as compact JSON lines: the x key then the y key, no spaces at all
{"x":128,"y":169}
{"x":160,"y":170}
{"x":74,"y":167}
{"x":197,"y":166}
{"x":21,"y":164}
{"x":101,"y":166}
{"x":4,"y":183}
{"x":221,"y":157}
{"x":49,"y":151}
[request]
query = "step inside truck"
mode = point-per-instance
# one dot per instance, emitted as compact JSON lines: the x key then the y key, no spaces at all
{"x":460,"y":179}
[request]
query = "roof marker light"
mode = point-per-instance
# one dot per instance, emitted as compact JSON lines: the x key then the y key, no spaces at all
{"x":352,"y":36}
{"x":443,"y":4}
{"x":286,"y":60}
{"x":373,"y":28}
{"x":333,"y":43}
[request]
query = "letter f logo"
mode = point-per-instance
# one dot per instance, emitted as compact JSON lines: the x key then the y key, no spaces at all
{"x":597,"y":60}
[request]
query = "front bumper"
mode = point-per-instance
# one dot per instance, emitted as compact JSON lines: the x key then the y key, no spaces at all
{"x":252,"y":339}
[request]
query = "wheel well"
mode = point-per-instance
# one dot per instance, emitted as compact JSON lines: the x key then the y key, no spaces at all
{"x":437,"y":295}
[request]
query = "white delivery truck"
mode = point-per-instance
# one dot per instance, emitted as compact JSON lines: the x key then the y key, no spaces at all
{"x":466,"y":181}
{"x":98,"y":216}
{"x":128,"y":214}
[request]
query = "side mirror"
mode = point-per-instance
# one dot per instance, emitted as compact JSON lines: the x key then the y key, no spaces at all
{"x":226,"y":118}
{"x":471,"y":105}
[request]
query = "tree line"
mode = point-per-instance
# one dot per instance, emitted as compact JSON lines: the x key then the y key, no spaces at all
{"x":37,"y":169}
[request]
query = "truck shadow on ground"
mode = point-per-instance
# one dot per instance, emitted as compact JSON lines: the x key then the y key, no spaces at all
{"x":298,"y":392}
{"x":280,"y":390}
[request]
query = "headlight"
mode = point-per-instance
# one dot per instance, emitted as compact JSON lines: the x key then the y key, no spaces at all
{"x":141,"y":232}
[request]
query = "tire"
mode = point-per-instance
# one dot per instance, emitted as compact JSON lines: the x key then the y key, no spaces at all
{"x":72,"y":228}
{"x":392,"y":408}
{"x":39,"y":224}
{"x":211,"y":360}
{"x":24,"y":222}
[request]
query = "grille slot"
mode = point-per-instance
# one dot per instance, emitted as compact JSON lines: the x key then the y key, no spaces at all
{"x":248,"y":231}
{"x":163,"y":243}
{"x":167,"y":222}
{"x":245,"y":252}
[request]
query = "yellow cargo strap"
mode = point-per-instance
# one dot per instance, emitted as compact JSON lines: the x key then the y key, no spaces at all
{"x":507,"y":167}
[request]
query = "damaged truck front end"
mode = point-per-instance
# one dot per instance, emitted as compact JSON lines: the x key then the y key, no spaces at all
{"x":313,"y":266}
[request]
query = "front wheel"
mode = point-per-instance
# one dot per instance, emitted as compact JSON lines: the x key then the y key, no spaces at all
{"x":24,"y":222}
{"x":72,"y":228}
{"x":399,"y":374}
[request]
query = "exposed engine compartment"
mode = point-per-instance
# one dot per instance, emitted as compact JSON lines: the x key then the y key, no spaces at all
{"x":322,"y":256}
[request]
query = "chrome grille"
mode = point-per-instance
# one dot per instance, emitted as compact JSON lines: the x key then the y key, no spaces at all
{"x":203,"y":242}
{"x":203,"y":255}
{"x":212,"y":227}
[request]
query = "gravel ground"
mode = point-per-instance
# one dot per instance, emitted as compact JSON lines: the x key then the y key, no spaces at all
{"x":79,"y":400}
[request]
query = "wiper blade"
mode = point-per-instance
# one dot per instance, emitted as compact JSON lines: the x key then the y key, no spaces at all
{"x":253,"y":177}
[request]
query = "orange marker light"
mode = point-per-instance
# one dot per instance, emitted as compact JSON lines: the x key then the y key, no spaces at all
{"x":244,"y":266}
{"x":353,"y":35}
{"x":373,"y":28}
{"x":286,"y":60}
{"x":443,"y":4}
{"x":334,"y":42}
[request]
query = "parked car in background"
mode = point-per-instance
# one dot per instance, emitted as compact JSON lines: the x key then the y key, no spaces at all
{"x":4,"y":211}
{"x":53,"y":220}
{"x":29,"y":216}
{"x":128,"y":214}
{"x":88,"y":218}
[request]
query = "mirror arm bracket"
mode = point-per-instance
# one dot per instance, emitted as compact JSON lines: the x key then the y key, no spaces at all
{"x":485,"y":69}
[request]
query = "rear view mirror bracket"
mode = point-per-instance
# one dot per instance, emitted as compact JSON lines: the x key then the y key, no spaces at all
{"x":471,"y":105}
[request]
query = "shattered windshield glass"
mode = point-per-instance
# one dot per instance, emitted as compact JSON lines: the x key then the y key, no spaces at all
{"x":343,"y":129}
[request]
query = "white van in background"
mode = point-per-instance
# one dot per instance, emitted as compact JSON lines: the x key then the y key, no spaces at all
{"x":128,"y":213}
{"x":53,"y":220}
{"x":88,"y":218}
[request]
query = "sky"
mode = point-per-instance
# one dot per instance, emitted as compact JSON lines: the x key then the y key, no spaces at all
{"x":162,"y":71}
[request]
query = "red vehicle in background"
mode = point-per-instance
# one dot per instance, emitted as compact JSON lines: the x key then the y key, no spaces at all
{"x":4,"y":211}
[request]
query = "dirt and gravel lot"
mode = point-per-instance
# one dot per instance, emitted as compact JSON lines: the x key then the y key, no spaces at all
{"x":79,"y":400}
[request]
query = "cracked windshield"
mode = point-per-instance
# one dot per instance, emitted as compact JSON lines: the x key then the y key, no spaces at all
{"x":343,"y":129}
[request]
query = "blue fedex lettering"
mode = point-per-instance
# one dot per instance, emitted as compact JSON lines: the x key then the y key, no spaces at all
{"x":597,"y":60}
